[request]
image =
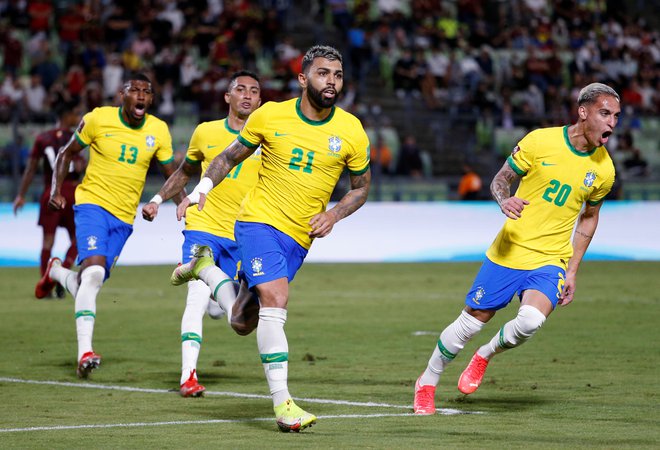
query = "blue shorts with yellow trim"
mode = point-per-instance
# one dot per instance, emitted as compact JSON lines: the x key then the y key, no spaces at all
{"x":99,"y":232}
{"x":267,"y":253}
{"x":495,"y":285}
{"x":225,"y":251}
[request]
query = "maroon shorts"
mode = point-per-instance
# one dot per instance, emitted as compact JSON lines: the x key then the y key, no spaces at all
{"x":50,"y":219}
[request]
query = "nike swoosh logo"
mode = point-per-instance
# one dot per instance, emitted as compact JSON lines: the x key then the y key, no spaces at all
{"x":278,"y":134}
{"x":211,"y":146}
{"x":543,"y":163}
{"x":271,"y":358}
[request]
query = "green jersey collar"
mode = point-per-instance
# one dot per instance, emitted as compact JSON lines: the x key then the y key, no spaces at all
{"x":310,"y":121}
{"x":573,"y":149}
{"x":121,"y":118}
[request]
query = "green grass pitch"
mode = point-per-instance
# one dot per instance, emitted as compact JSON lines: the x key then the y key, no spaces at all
{"x":359,"y":335}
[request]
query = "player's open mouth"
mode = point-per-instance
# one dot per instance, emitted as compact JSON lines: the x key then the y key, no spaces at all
{"x":329,"y":93}
{"x":605,"y":137}
{"x":139,"y":110}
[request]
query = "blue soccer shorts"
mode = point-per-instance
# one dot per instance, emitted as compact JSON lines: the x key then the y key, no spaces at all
{"x":495,"y":285}
{"x":225,"y":251}
{"x":100,"y":233}
{"x":267,"y":253}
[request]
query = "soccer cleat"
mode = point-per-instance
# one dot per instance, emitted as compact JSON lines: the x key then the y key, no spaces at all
{"x":87,"y":363}
{"x":202,"y":258}
{"x":45,"y":285}
{"x":245,"y":312}
{"x":292,"y":418}
{"x":424,"y":402}
{"x":472,"y":375}
{"x":191,"y":388}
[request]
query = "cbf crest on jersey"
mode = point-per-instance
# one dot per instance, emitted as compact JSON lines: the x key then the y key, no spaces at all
{"x":334,"y":144}
{"x":589,"y":178}
{"x":151,"y":141}
{"x":91,"y":242}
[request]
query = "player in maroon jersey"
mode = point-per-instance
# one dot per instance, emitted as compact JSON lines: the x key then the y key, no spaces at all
{"x":45,"y":149}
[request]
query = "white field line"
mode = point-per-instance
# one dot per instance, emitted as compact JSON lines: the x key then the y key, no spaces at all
{"x":441,"y":411}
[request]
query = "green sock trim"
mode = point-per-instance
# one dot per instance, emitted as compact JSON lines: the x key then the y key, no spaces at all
{"x":215,"y":292}
{"x":85,"y":313}
{"x":267,"y":358}
{"x":502,"y":342}
{"x":191,"y":337}
{"x":446,"y":353}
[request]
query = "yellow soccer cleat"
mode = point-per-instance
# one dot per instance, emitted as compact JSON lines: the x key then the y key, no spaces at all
{"x":292,"y":418}
{"x":202,"y":258}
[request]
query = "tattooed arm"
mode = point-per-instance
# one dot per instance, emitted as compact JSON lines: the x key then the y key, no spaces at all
{"x":323,"y":222}
{"x":233,"y":155}
{"x":500,"y":188}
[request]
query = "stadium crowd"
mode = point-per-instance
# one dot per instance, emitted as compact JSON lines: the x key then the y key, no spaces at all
{"x":518,"y":61}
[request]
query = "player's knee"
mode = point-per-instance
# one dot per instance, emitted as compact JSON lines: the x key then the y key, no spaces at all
{"x":528,"y":321}
{"x":93,"y":276}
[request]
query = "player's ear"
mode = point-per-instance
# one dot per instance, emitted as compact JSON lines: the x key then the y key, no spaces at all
{"x":227,"y":97}
{"x":302,"y":79}
{"x":582,"y":112}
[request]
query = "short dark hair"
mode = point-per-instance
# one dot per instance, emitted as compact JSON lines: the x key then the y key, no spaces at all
{"x":590,"y":93}
{"x":242,"y":73}
{"x":320,"y":51}
{"x":66,"y":107}
{"x":135,"y":76}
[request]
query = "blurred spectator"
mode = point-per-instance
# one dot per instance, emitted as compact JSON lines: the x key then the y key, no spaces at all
{"x":634,"y":163}
{"x":405,"y":75}
{"x":113,"y":73}
{"x":40,"y":12}
{"x":12,"y":51}
{"x":469,"y":187}
{"x":410,"y":158}
{"x":381,"y":156}
{"x":36,"y":100}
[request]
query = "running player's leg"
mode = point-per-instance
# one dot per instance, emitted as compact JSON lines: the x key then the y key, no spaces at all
{"x":191,"y":337}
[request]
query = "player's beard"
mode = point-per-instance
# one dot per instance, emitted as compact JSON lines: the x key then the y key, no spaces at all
{"x":316,"y":98}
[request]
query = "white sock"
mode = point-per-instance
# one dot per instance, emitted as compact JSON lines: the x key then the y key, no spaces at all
{"x":91,"y":280}
{"x":67,"y":278}
{"x":451,"y":342}
{"x":191,"y":326}
{"x":515,"y":332}
{"x":223,"y":288}
{"x":274,"y":351}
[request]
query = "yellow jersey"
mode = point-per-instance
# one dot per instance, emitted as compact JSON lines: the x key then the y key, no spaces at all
{"x":301,"y":162}
{"x":556,"y":180}
{"x":119,"y":157}
{"x":224,"y":201}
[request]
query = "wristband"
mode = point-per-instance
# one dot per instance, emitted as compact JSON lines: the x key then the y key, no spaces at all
{"x":205,"y":185}
{"x":157,"y":199}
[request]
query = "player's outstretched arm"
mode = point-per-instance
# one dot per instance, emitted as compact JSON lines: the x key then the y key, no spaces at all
{"x":323,"y":223}
{"x":500,"y":188}
{"x":173,"y":187}
{"x":28,"y":175}
{"x":62,"y":163}
{"x":218,"y":169}
{"x":584,"y":233}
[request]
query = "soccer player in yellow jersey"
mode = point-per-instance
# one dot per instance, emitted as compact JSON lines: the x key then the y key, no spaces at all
{"x":565,"y":173}
{"x":306,"y":143}
{"x":122,"y":142}
{"x":214,"y":225}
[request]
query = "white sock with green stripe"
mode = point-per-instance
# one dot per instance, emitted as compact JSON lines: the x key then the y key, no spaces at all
{"x":66,"y":277}
{"x":91,"y":280}
{"x":451,"y":342}
{"x":223,"y":288}
{"x":191,"y":326}
{"x":274,"y":351}
{"x":515,"y":332}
